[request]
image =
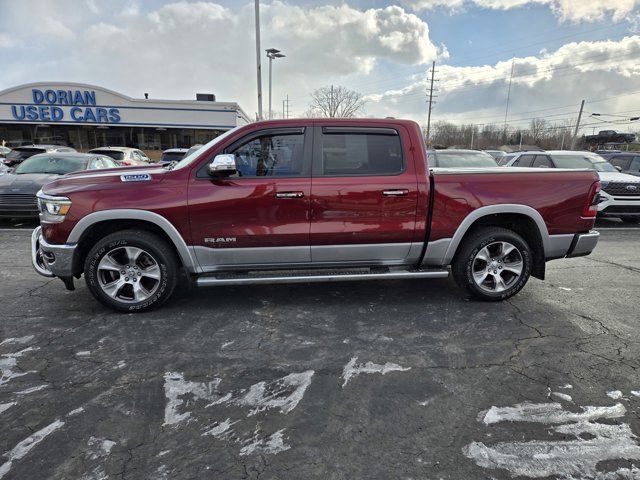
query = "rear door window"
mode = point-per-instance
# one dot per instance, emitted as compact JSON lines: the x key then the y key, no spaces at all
{"x":524,"y":161}
{"x":353,"y":154}
{"x":635,"y":165}
{"x":542,"y":161}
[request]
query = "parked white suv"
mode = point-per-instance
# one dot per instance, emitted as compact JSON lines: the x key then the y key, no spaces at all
{"x":124,"y":155}
{"x":620,"y":193}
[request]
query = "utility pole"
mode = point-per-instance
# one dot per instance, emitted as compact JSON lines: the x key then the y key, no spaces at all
{"x":331,"y":112}
{"x":258,"y":59}
{"x":433,"y":72}
{"x":472,"y":131}
{"x":506,"y":111}
{"x":575,"y":133}
{"x":562,"y":142}
{"x":287,"y":104}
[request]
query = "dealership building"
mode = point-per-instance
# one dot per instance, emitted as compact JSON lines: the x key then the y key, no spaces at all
{"x":88,"y":116}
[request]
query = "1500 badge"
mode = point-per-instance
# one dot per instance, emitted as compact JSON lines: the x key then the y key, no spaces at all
{"x":136,"y":177}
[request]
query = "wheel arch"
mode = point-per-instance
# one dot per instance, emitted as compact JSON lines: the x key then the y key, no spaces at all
{"x":522,"y":219}
{"x":95,"y":225}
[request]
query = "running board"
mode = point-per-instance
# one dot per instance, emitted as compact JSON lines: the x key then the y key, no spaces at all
{"x":289,"y":276}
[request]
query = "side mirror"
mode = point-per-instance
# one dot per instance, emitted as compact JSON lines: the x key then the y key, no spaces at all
{"x":618,"y":168}
{"x":222,"y":165}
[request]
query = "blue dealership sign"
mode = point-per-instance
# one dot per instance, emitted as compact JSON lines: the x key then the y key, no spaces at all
{"x":47,"y":107}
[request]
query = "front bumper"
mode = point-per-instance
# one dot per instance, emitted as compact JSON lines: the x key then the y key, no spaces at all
{"x":583,"y":244}
{"x":51,"y":260}
{"x":618,"y":206}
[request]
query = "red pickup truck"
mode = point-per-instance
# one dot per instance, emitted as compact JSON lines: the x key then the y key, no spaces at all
{"x":308,"y":201}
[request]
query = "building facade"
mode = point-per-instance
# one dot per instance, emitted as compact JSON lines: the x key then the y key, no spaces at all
{"x":88,"y":116}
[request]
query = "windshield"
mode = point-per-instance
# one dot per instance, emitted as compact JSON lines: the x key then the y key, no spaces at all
{"x":587,"y":160}
{"x":464,"y":159}
{"x":193,"y":155}
{"x":51,"y":165}
{"x":116,"y":155}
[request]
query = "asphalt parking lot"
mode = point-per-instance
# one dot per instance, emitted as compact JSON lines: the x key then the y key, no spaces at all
{"x":395,"y":379}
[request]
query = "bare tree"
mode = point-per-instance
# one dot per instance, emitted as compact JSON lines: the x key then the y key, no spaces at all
{"x":332,"y":102}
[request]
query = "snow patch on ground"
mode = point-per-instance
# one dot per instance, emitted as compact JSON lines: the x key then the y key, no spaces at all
{"x":21,"y":340}
{"x":9,"y":361}
{"x":25,"y":446}
{"x":83,"y":353}
{"x":6,"y":406}
{"x":284,"y":393}
{"x":221,"y":429}
{"x":271,"y":444}
{"x":226,"y":344}
{"x":635,"y":393}
{"x":352,"y":369}
{"x":175,"y":387}
{"x":562,"y":396}
{"x":567,"y":386}
{"x":75,"y":411}
{"x":31,"y":390}
{"x":615,"y":394}
{"x":99,"y":447}
{"x":564,"y":459}
{"x":548,"y":413}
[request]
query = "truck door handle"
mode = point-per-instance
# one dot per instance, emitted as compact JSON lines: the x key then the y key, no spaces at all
{"x":289,"y":194}
{"x":395,"y":193}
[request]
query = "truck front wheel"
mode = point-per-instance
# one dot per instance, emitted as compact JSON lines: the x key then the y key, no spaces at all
{"x":492,"y":263}
{"x":131,"y":271}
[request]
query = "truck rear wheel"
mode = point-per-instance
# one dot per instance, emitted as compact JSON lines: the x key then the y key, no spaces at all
{"x":131,"y":271}
{"x":492,"y":263}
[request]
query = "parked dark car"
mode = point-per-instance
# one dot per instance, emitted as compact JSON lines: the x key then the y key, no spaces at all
{"x":610,"y":136}
{"x":460,"y":159}
{"x":18,"y":189}
{"x":626,"y":162}
{"x":20,"y":154}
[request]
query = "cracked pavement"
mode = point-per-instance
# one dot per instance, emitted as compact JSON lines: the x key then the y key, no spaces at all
{"x":237,"y":362}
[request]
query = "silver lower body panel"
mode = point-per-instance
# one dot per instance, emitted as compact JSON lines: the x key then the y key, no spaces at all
{"x":258,"y":278}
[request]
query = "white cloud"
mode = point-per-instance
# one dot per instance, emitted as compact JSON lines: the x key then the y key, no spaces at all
{"x":566,"y":10}
{"x":182,"y":47}
{"x":477,"y":94}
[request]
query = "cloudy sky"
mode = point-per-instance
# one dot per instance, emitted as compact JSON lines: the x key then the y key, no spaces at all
{"x":561,"y":51}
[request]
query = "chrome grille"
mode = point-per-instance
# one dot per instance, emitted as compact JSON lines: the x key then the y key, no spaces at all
{"x":619,"y":189}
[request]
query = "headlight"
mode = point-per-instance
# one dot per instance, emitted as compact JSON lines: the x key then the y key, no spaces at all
{"x":52,"y":209}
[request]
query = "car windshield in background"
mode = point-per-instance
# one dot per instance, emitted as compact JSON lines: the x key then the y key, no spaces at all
{"x":592,"y":162}
{"x":172,"y":156}
{"x":110,"y":153}
{"x":464,"y":159}
{"x":50,"y":165}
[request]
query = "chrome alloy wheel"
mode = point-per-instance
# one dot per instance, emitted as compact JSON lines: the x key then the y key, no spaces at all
{"x":129,"y":274}
{"x":497,"y":267}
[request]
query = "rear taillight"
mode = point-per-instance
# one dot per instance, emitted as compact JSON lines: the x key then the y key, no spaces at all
{"x":591,"y":207}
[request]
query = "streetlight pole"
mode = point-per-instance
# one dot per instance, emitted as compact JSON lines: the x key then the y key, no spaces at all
{"x":271,"y":54}
{"x":258,"y":58}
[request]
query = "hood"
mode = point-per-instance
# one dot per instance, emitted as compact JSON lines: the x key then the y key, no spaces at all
{"x":618,"y":177}
{"x":26,"y":183}
{"x":109,"y":178}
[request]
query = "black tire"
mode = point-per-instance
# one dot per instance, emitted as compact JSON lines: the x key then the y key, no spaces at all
{"x":155,"y":249}
{"x":463,"y":263}
{"x":630,"y":219}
